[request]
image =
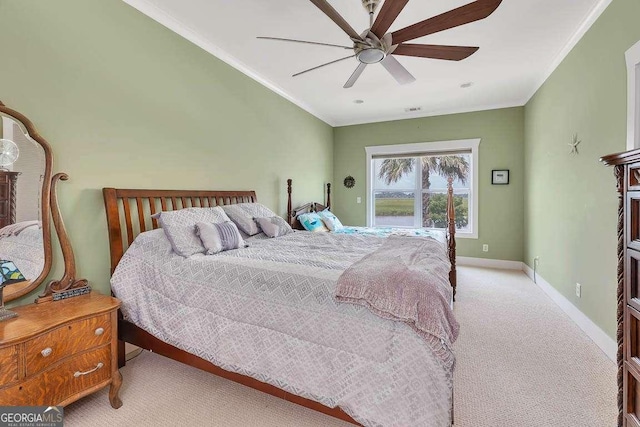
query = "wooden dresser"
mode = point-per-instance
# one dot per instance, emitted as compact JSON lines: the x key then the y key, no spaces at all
{"x":57,"y":352}
{"x":627,"y":173}
{"x":8,"y":182}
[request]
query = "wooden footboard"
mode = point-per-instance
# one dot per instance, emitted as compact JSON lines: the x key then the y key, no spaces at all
{"x":132,"y":334}
{"x":292,"y":218}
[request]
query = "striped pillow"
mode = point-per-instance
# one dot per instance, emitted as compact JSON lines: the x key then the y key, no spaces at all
{"x":219,"y":237}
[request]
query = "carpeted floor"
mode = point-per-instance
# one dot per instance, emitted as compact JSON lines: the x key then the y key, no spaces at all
{"x":520,"y":362}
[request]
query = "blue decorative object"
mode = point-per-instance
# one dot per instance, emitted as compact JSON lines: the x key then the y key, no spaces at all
{"x":312,"y":222}
{"x":9,"y":274}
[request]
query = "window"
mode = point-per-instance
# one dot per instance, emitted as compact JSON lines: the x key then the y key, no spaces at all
{"x":407,"y":185}
{"x":633,"y":98}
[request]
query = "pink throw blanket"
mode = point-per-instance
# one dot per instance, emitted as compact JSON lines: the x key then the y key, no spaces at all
{"x":407,"y":280}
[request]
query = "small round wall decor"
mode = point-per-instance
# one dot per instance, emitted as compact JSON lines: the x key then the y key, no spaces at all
{"x":349,"y":182}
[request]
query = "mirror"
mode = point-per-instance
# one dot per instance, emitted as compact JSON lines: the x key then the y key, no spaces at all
{"x":25,"y":182}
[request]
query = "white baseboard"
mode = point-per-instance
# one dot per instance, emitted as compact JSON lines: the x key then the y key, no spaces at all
{"x":489,"y":263}
{"x":593,"y":331}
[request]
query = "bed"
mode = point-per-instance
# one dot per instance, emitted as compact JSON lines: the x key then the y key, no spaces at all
{"x":22,"y":243}
{"x":448,"y":235}
{"x":265,"y":317}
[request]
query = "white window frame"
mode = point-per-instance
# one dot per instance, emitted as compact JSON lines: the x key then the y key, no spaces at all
{"x":633,"y":97}
{"x":438,"y":147}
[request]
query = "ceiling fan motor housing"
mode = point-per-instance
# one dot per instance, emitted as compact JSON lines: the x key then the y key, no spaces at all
{"x":371,"y":56}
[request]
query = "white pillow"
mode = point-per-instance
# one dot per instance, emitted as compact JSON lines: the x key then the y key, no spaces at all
{"x":274,"y":226}
{"x":244,"y":215}
{"x":180,"y":227}
{"x":330,"y":220}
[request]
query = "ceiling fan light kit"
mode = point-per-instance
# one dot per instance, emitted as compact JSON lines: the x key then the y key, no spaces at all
{"x":375,"y":45}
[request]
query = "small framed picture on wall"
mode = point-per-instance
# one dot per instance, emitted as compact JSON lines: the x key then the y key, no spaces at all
{"x":500,"y":177}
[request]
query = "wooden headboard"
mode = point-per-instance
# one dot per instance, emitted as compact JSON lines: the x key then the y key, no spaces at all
{"x":129,"y":211}
{"x":292,"y":213}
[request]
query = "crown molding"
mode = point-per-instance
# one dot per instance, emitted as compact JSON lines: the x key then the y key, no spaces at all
{"x":444,"y":112}
{"x":163,"y":18}
{"x":586,"y":24}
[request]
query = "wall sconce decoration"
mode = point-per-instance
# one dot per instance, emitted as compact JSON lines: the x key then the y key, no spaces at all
{"x":349,"y":181}
{"x":500,"y":177}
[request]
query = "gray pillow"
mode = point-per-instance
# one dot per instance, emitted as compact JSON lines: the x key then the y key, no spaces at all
{"x":219,"y":237}
{"x":243,"y":215}
{"x":180,"y":227}
{"x":274,"y":226}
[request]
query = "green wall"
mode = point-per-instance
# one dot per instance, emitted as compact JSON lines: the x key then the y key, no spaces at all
{"x":126,"y":102}
{"x":570,"y":200}
{"x":501,"y":147}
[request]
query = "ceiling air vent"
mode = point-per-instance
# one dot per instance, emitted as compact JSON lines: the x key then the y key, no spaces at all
{"x":412,"y":109}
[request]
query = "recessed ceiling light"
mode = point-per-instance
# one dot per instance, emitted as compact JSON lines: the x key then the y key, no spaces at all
{"x":358,"y":101}
{"x":466,"y":85}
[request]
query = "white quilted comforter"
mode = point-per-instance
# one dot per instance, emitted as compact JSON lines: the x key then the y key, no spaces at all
{"x":268,"y":311}
{"x":26,"y":250}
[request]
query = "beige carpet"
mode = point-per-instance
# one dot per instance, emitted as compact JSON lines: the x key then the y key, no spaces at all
{"x":521,"y":362}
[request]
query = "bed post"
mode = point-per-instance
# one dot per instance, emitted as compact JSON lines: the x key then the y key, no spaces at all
{"x":329,"y":195}
{"x":289,"y":213}
{"x":451,"y":235}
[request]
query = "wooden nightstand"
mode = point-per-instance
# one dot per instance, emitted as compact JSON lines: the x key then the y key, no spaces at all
{"x":57,"y":352}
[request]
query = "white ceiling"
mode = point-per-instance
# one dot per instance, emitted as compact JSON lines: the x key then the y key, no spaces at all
{"x":520,"y":45}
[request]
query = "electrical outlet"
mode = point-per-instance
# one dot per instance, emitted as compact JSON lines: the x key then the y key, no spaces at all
{"x":485,"y":248}
{"x":358,"y":199}
{"x":578,"y":290}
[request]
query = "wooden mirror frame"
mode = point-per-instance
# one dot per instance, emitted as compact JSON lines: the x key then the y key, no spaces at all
{"x":17,"y":290}
{"x":68,"y":285}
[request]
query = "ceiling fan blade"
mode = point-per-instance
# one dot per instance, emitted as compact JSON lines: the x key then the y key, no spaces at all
{"x":304,"y":41}
{"x":449,"y":53}
{"x":355,"y":75}
{"x":328,"y":10}
{"x":397,"y":70}
{"x":466,"y":14}
{"x":323,"y":65}
{"x":389,"y":12}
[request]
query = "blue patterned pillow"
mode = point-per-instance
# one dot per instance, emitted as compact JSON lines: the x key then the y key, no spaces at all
{"x":330,"y":220}
{"x":312,"y":222}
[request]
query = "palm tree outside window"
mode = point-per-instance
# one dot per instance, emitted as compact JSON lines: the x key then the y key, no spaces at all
{"x":412,"y":191}
{"x":407,"y":185}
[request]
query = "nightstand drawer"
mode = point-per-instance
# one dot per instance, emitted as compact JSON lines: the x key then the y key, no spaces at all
{"x":67,"y":340}
{"x":27,"y":393}
{"x":8,"y":365}
{"x":78,"y":374}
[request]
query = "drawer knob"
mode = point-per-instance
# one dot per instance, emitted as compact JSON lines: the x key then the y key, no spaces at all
{"x":99,"y":331}
{"x":98,"y":366}
{"x":46,"y":352}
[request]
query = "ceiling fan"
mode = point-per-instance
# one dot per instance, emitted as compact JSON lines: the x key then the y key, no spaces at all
{"x":375,"y":45}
